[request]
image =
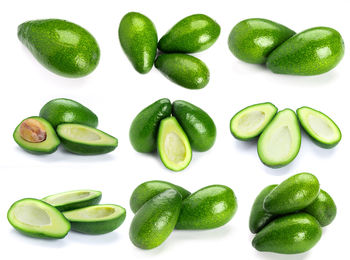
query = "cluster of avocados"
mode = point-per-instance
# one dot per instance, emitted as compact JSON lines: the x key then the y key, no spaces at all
{"x":195,"y":33}
{"x":279,"y":132}
{"x":160,"y":207}
{"x":173,"y":129}
{"x":55,"y":215}
{"x":288,"y":218}
{"x":63,"y":121}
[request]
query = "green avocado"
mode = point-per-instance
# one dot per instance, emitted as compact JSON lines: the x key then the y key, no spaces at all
{"x":62,"y":47}
{"x":138,"y":38}
{"x":36,"y":135}
{"x":144,"y":128}
{"x":291,"y":234}
{"x":185,"y":70}
{"x":293,"y":194}
{"x":210,"y":207}
{"x":147,"y":190}
{"x":155,"y":220}
{"x":63,"y":110}
{"x":194,"y":33}
{"x":252,"y":40}
{"x":197,"y":124}
{"x":311,"y":52}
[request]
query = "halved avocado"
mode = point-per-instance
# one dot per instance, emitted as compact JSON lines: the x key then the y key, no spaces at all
{"x":85,"y":140}
{"x":36,"y":218}
{"x":322,"y":130}
{"x":280,"y":142}
{"x":173,"y":145}
{"x":75,"y":199}
{"x":97,"y":219}
{"x":36,"y":135}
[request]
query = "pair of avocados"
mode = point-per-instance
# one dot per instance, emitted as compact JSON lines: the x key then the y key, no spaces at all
{"x":292,"y":227}
{"x":195,"y":33}
{"x":280,"y":138}
{"x":54,"y":215}
{"x":173,"y":129}
{"x":63,"y":121}
{"x":161,"y":206}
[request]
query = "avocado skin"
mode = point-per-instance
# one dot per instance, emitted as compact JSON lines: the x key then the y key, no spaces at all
{"x":197,"y":124}
{"x":210,"y":207}
{"x":311,"y":52}
{"x":62,"y":47}
{"x":187,"y":35}
{"x":155,"y":220}
{"x":144,"y":128}
{"x":79,"y":204}
{"x":185,"y":70}
{"x":293,"y":194}
{"x":252,"y":40}
{"x":138,"y":38}
{"x":291,"y":234}
{"x":147,"y":190}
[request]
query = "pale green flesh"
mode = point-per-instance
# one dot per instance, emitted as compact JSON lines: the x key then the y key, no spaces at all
{"x":94,"y":213}
{"x":70,"y":196}
{"x":31,"y":215}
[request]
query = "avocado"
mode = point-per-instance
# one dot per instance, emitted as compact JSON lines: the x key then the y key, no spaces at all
{"x":96,"y":219}
{"x":279,"y":143}
{"x":63,"y":110}
{"x":155,"y":220}
{"x":194,"y":33}
{"x":291,"y":234}
{"x":138,"y":38}
{"x":323,"y":208}
{"x":62,"y":47}
{"x":197,"y":124}
{"x":210,"y":207}
{"x":311,"y":52}
{"x":252,"y":40}
{"x":293,"y":194}
{"x":36,"y":135}
{"x":185,"y":70}
{"x":36,"y":218}
{"x":322,"y":130}
{"x":75,"y":199}
{"x":249,"y":122}
{"x":147,"y":190}
{"x":173,"y":145}
{"x":144,"y":128}
{"x":85,"y":140}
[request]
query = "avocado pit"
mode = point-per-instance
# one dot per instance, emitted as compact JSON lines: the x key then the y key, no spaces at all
{"x":32,"y":131}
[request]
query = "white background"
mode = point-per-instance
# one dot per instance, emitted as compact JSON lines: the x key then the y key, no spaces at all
{"x":116,"y":93}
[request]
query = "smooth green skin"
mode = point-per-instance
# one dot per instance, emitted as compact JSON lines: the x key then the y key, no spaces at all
{"x":63,"y":110}
{"x":291,"y":234}
{"x":197,"y":124}
{"x":155,"y":220}
{"x":293,"y":194}
{"x":323,"y":208}
{"x":147,"y":190}
{"x":259,"y":218}
{"x":49,"y":146}
{"x":138,"y":38}
{"x":311,"y":52}
{"x":194,"y":33}
{"x":184,"y":70}
{"x":252,"y":40}
{"x":62,"y":47}
{"x":210,"y":207}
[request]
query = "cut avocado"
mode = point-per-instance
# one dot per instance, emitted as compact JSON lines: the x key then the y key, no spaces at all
{"x":74,"y":199}
{"x":97,"y":219}
{"x":322,"y":130}
{"x":280,"y":142}
{"x":173,"y":145}
{"x":252,"y":120}
{"x":85,"y":140}
{"x":36,"y":135}
{"x":36,"y":218}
